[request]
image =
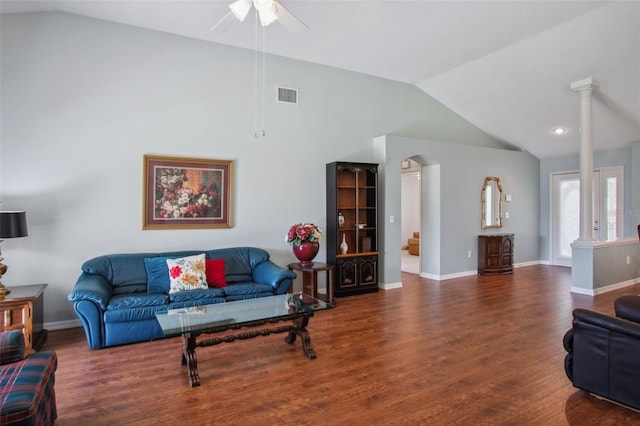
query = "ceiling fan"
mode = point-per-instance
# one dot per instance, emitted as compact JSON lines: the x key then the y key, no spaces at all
{"x":269,"y":11}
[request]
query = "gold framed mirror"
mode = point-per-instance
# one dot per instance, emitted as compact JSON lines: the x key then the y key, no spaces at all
{"x":491,"y":203}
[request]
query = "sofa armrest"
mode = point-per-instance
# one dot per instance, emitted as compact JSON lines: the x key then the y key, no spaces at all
{"x":11,"y":347}
{"x":94,"y":288}
{"x":607,"y":322}
{"x":277,"y":277}
{"x":628,"y":307}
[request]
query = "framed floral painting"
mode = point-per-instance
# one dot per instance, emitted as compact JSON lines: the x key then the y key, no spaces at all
{"x":183,"y":193}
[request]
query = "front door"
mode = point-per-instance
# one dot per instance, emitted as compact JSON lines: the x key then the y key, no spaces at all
{"x":565,"y":214}
{"x":565,"y":210}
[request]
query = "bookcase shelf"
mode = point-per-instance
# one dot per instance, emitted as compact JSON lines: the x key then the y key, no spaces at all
{"x":352,"y":192}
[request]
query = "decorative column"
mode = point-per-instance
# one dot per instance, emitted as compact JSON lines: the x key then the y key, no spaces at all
{"x":585,"y":88}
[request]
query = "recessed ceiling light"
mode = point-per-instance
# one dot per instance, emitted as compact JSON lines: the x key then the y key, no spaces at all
{"x":559,"y":130}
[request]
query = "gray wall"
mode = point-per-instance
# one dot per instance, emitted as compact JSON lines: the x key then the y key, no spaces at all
{"x":634,"y":213}
{"x":431,"y":187}
{"x":594,"y":268}
{"x":462,"y":173}
{"x":83,"y":100}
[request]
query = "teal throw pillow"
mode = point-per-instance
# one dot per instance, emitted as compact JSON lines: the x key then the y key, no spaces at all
{"x":157,"y":274}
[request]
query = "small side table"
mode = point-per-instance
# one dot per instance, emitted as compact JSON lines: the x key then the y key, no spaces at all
{"x":310,"y":278}
{"x":21,"y":310}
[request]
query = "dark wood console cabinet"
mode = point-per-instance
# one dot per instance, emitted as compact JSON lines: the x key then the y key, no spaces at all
{"x":495,"y":254}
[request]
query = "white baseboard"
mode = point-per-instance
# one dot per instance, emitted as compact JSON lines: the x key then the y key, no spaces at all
{"x":470,"y":273}
{"x":448,"y":276}
{"x":61,"y":325}
{"x":430,"y":276}
{"x":605,"y":289}
{"x":531,"y":263}
{"x":458,"y":275}
{"x":390,"y":286}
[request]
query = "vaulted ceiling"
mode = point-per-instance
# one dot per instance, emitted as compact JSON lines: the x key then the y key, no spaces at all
{"x":505,"y":66}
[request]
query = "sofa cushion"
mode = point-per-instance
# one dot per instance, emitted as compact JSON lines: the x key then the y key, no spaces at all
{"x":247,"y":288}
{"x":133,"y":314}
{"x":126,"y":301}
{"x":239,"y":262}
{"x":215,"y":273}
{"x":199,"y":302}
{"x":184,"y":296}
{"x":187,"y":273}
{"x":248,"y":296}
{"x":119,"y":269}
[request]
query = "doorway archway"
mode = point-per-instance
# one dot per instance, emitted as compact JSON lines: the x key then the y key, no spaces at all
{"x":411,"y":195}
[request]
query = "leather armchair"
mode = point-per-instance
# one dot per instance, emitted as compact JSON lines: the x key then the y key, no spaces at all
{"x":603,"y":352}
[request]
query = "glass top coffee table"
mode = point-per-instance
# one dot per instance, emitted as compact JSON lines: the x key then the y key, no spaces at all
{"x":193,"y":321}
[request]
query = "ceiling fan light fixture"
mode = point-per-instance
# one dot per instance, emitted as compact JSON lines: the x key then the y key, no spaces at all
{"x":240,"y":9}
{"x":559,"y":130}
{"x":267,"y":11}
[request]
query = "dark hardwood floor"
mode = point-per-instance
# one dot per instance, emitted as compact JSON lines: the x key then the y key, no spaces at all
{"x":476,"y":350}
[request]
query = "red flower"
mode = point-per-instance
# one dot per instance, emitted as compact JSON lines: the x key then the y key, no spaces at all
{"x":303,"y":232}
{"x":175,"y":271}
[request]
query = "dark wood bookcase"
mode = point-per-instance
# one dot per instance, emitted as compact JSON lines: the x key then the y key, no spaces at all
{"x":352,"y":192}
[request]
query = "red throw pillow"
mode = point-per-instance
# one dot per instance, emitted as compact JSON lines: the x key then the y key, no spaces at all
{"x":215,"y":273}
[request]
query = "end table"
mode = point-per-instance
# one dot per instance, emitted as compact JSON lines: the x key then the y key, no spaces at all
{"x":310,"y":278}
{"x":22,"y":309}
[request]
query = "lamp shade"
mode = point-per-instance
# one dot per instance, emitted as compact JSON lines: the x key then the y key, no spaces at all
{"x":13,"y":224}
{"x":240,"y":9}
{"x":266,"y":10}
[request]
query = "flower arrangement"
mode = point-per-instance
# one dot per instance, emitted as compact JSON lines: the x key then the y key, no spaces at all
{"x":301,"y":232}
{"x":174,"y":199}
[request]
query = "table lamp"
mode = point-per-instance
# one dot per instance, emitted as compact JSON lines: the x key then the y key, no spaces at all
{"x":12,"y":225}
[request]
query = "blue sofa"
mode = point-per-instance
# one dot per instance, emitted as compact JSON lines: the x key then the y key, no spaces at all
{"x":27,"y":394}
{"x":116,"y":296}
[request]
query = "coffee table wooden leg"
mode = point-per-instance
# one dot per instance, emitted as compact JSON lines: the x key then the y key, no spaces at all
{"x":189,"y":358}
{"x":299,"y":328}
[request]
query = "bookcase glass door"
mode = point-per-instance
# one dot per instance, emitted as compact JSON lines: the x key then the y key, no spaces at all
{"x":352,"y":225}
{"x":356,"y":192}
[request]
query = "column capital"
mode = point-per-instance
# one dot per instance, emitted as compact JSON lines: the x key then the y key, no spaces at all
{"x":584,"y":85}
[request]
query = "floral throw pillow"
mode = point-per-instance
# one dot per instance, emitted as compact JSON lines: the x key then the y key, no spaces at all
{"x":187,"y":273}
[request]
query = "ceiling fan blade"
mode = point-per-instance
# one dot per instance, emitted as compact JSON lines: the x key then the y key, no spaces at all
{"x":225,"y":23}
{"x":289,"y":20}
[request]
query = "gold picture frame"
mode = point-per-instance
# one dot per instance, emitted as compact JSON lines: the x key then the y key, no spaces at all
{"x":187,"y":193}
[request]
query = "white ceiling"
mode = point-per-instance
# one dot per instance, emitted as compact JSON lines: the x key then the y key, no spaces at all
{"x":505,"y":66}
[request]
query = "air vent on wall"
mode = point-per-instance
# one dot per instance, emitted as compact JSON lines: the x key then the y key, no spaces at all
{"x":287,"y":95}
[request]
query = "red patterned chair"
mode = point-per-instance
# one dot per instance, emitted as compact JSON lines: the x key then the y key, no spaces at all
{"x":27,"y":395}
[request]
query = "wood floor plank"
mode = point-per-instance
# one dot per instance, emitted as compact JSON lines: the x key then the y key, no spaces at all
{"x":474,"y":350}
